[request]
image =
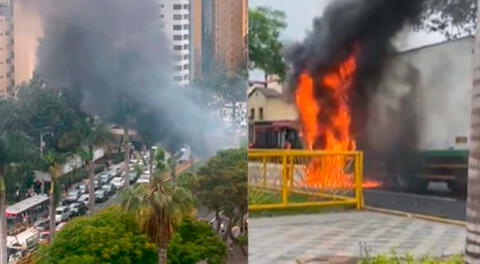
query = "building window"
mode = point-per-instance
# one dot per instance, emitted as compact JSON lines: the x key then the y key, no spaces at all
{"x":185,"y":26}
{"x":186,"y":36}
{"x":178,"y":68}
{"x":186,"y":6}
{"x":178,"y":58}
{"x":185,"y":46}
{"x":185,"y":57}
{"x":162,"y":5}
{"x":177,"y":37}
{"x":177,"y":47}
{"x":252,"y":114}
{"x":177,"y":7}
{"x":177,"y":27}
{"x":162,"y":16}
{"x":185,"y":16}
{"x":177,"y":17}
{"x":260,"y":113}
{"x":185,"y":67}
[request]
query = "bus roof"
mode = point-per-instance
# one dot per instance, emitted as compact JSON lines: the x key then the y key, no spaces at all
{"x":26,"y":204}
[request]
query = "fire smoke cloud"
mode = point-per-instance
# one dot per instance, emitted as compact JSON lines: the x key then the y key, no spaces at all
{"x":363,"y":28}
{"x":103,"y":52}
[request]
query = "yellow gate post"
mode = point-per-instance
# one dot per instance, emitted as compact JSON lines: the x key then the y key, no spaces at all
{"x":284,"y":180}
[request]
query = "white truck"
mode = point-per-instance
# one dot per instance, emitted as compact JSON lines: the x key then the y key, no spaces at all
{"x":421,"y":113}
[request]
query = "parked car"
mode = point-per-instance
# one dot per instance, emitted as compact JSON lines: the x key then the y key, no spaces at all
{"x":109,"y":188}
{"x":83,"y":188}
{"x":104,"y":178}
{"x":100,"y":196}
{"x":44,"y":237}
{"x":132,"y":176}
{"x":60,"y":226}
{"x":144,"y":178}
{"x":72,"y":196}
{"x":42,"y":224}
{"x":62,"y":214}
{"x":78,"y":209}
{"x":83,"y":199}
{"x":118,"y":182}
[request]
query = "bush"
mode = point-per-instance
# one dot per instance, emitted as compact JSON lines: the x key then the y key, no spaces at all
{"x":393,"y":258}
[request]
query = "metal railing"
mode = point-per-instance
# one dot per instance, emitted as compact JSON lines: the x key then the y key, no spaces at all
{"x":283,"y":179}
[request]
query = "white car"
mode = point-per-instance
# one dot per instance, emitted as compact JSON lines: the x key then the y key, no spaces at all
{"x":62,"y":214}
{"x":84,"y":199}
{"x":119,"y":182}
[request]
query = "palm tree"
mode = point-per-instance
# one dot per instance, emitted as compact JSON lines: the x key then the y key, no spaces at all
{"x":15,"y":148}
{"x":97,"y":136}
{"x":55,"y":169}
{"x":127,"y":156}
{"x":472,"y":251}
{"x":159,"y":207}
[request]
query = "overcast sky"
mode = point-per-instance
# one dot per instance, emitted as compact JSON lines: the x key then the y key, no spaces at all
{"x":300,"y":15}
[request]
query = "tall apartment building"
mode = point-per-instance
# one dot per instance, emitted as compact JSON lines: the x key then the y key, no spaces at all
{"x":196,"y":13}
{"x":175,"y":21}
{"x":28,"y":30}
{"x":231,"y":28}
{"x":7,"y":55}
{"x":225,"y":30}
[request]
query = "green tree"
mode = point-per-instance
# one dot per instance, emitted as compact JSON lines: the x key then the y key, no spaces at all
{"x":160,"y":207}
{"x":110,"y":236}
{"x":96,"y":135}
{"x":228,"y":87}
{"x":195,"y":241}
{"x":264,"y":45}
{"x":15,"y":149}
{"x":452,"y":18}
{"x":222,"y":186}
{"x":54,"y":162}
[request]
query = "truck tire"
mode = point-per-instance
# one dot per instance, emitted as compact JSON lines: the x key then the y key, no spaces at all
{"x":459,"y":186}
{"x":404,"y":177}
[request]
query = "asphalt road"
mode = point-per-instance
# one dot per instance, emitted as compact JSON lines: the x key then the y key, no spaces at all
{"x":436,"y":202}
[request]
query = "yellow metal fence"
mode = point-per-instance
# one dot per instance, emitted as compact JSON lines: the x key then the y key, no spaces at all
{"x":282,"y":179}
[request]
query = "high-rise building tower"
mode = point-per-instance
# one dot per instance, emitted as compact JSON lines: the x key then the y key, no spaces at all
{"x":231,"y":29}
{"x":7,"y":55}
{"x":175,"y":21}
{"x":224,"y":35}
{"x":196,"y":40}
{"x":28,"y":30}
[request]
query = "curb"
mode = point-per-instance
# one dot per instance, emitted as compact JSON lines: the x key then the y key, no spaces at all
{"x":417,"y":216}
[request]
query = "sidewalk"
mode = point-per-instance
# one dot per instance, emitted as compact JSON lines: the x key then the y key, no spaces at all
{"x":344,"y":237}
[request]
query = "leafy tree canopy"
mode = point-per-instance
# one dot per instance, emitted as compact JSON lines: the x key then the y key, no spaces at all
{"x":265,"y":47}
{"x":111,"y":236}
{"x":451,"y":18}
{"x":195,"y":241}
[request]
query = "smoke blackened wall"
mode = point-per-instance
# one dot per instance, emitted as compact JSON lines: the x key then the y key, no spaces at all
{"x":104,"y":53}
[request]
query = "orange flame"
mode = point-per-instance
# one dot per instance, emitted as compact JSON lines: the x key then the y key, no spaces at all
{"x":325,"y":124}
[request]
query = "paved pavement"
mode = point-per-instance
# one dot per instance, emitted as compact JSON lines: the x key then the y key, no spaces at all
{"x":340,"y":237}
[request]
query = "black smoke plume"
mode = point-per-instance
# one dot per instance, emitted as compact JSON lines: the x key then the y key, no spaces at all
{"x":363,"y":28}
{"x":112,"y":60}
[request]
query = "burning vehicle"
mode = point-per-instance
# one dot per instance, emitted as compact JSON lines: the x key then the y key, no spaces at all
{"x":407,"y":111}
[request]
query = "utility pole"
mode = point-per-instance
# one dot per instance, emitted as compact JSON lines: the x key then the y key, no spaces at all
{"x":472,"y":249}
